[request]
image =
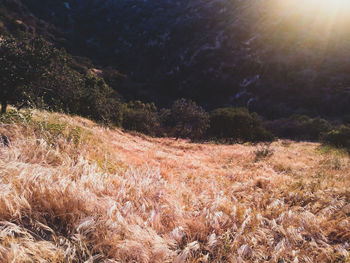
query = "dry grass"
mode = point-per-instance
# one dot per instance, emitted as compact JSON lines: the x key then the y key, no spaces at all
{"x":71,"y":191}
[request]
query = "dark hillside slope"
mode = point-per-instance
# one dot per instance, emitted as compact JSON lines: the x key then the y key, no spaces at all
{"x":242,"y":53}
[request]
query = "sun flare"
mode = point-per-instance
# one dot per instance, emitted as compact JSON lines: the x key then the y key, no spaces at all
{"x":331,"y":3}
{"x":312,"y":7}
{"x":314,"y":15}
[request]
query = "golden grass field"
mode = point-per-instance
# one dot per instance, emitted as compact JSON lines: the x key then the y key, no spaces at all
{"x":73,"y":191}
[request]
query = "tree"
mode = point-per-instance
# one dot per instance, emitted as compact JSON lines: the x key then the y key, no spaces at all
{"x":22,"y":63}
{"x":61,"y":89}
{"x":339,"y":137}
{"x":98,"y":101}
{"x":141,"y":117}
{"x":300,"y":127}
{"x":237,"y":124}
{"x":189,"y":119}
{"x":13,"y":71}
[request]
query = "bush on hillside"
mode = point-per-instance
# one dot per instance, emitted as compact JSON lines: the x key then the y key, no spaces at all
{"x":338,"y":137}
{"x":187,"y":119}
{"x":141,"y":117}
{"x":99,"y":102}
{"x":34,"y":73}
{"x":114,"y":79}
{"x":263,"y":151}
{"x":15,"y":116}
{"x":22,"y":65}
{"x":237,"y":124}
{"x":300,"y":127}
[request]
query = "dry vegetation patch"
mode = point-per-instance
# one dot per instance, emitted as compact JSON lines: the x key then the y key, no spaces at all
{"x":72,"y":191}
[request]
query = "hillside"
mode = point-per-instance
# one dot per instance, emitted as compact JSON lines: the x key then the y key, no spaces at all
{"x":73,"y":191}
{"x":259,"y":54}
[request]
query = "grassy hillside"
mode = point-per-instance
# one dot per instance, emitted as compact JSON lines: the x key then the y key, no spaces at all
{"x":72,"y":191}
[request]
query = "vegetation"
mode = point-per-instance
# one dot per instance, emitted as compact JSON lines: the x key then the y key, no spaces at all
{"x":339,"y":137}
{"x":98,"y":101}
{"x":263,"y":151}
{"x":33,"y":72}
{"x":189,"y":120}
{"x":237,"y":125}
{"x":36,"y":73}
{"x":141,"y":117}
{"x":73,"y":191}
{"x":22,"y":65}
{"x":300,"y":127}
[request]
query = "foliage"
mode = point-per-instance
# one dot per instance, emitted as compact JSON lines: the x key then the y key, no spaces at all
{"x":300,"y":127}
{"x":50,"y":132}
{"x":338,"y":137}
{"x":166,"y":122}
{"x":53,"y":132}
{"x":98,"y":101}
{"x":15,"y":116}
{"x":237,"y":124}
{"x":32,"y":69}
{"x":115,"y":80}
{"x":324,"y":87}
{"x":188,"y":120}
{"x":141,"y":117}
{"x":14,"y":71}
{"x":263,"y":151}
{"x":36,"y":73}
{"x":62,"y":87}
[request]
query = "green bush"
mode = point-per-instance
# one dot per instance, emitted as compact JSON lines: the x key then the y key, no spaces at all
{"x":51,"y":133}
{"x":263,"y":151}
{"x":26,"y":69}
{"x":187,"y":119}
{"x":338,"y":137}
{"x":237,"y":124}
{"x":300,"y":127}
{"x":98,"y":101}
{"x":141,"y":117}
{"x":35,"y":73}
{"x":15,"y":116}
{"x":75,"y":135}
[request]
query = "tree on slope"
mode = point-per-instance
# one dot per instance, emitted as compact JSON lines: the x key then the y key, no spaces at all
{"x":189,"y":119}
{"x":22,"y":64}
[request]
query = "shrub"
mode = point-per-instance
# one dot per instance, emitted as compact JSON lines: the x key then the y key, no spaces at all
{"x":300,"y":127}
{"x":263,"y":151}
{"x":338,"y":137}
{"x":75,"y":135}
{"x":15,"y":116}
{"x":237,"y":124}
{"x":23,"y":64}
{"x":50,"y":132}
{"x":33,"y":72}
{"x":99,"y":102}
{"x":188,"y":120}
{"x":141,"y":117}
{"x":166,"y":122}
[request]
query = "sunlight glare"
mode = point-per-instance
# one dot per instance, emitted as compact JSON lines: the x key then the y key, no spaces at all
{"x":321,"y":14}
{"x":326,"y":6}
